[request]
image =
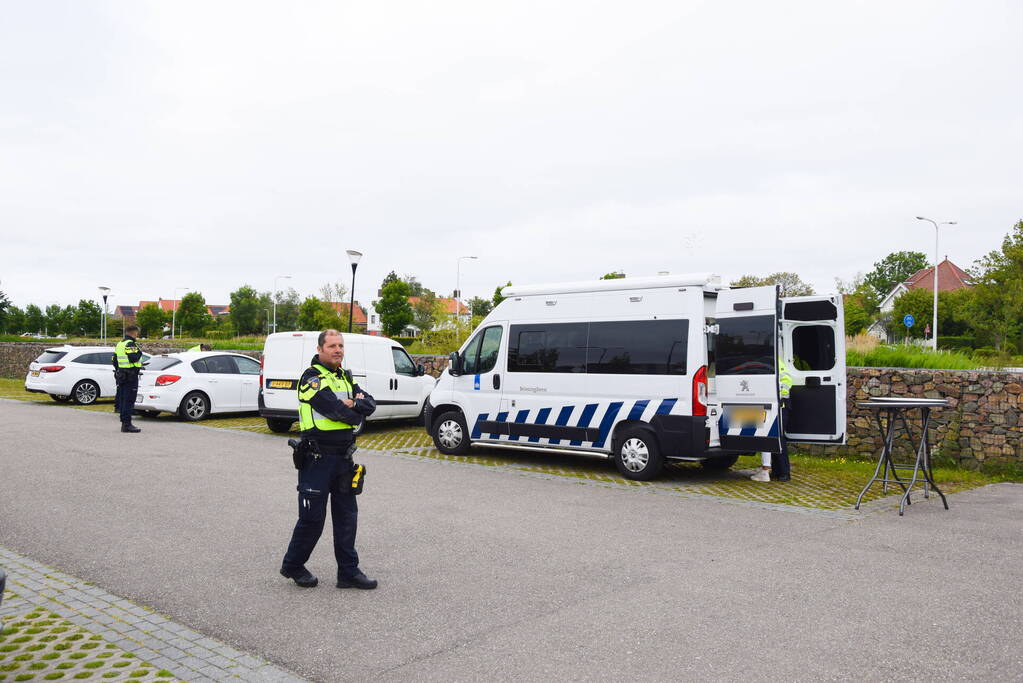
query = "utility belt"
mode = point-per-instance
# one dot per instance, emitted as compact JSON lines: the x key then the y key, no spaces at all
{"x":307,"y":450}
{"x":122,"y":375}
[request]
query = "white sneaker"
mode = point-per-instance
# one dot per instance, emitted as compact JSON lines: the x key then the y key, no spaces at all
{"x":762,"y":475}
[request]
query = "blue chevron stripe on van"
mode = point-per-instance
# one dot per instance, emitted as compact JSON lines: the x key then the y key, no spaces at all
{"x":584,"y":420}
{"x":541,"y":419}
{"x":520,"y":418}
{"x":607,"y":422}
{"x":666,"y":406}
{"x":501,"y":417}
{"x":476,"y":427}
{"x":637,"y":409}
{"x":566,"y":412}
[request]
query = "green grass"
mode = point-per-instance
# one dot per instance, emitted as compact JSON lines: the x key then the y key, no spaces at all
{"x":909,"y":357}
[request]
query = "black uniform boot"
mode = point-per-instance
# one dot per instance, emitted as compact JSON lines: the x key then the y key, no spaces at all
{"x":302,"y":576}
{"x":129,"y":428}
{"x":360,"y":580}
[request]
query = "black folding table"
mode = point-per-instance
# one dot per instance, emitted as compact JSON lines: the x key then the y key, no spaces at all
{"x":890,"y":412}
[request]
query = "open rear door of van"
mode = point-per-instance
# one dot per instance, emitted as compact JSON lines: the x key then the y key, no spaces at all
{"x":813,"y":333}
{"x":745,"y":367}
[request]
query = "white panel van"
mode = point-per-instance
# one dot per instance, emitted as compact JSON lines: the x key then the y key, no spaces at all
{"x":644,"y":370}
{"x":379,"y":365}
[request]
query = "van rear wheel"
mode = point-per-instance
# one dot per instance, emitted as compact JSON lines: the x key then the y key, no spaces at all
{"x":451,"y":436}
{"x":279,"y":425}
{"x":637,"y":456}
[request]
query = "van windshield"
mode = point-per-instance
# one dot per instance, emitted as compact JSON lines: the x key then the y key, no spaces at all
{"x":745,"y":346}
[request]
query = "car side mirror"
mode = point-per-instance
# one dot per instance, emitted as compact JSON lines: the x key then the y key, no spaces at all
{"x":420,"y":370}
{"x":455,"y":367}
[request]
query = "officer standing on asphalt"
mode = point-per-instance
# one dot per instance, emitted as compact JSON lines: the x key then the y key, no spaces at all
{"x":778,"y":463}
{"x":330,"y":407}
{"x":127,"y":368}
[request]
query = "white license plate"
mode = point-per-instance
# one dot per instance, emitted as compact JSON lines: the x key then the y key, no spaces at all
{"x":748,"y":416}
{"x":35,"y":373}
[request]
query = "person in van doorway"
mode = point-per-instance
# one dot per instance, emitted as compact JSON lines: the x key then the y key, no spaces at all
{"x":201,"y":347}
{"x":127,"y":368}
{"x":778,"y":463}
{"x":330,"y":406}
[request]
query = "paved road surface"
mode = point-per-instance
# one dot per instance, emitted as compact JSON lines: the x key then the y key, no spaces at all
{"x":489,"y":574}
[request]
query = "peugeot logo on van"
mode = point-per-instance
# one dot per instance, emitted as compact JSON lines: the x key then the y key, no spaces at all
{"x":744,"y":386}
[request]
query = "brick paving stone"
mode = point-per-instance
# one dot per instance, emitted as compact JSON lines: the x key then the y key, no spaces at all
{"x":134,"y":631}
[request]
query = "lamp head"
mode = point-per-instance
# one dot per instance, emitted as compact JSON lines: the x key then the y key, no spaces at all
{"x":354,"y":256}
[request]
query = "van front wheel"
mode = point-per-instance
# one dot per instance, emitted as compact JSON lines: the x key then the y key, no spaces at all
{"x":451,"y":436}
{"x":636,"y":454}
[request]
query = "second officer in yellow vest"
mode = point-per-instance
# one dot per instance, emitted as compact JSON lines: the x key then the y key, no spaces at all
{"x":330,"y":407}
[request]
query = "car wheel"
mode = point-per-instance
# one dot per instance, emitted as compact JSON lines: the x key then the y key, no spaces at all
{"x":719,"y":464}
{"x":85,"y":392}
{"x":636,"y":454}
{"x":451,"y":436}
{"x":279,"y":425}
{"x":194,"y":407}
{"x":60,"y":398}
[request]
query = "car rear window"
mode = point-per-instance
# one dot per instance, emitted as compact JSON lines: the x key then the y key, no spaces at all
{"x":51,"y":356}
{"x":100,"y":358}
{"x":162,"y":363}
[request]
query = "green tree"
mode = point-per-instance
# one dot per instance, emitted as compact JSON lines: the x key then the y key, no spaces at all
{"x":789,"y":283}
{"x":67,"y":320}
{"x":612,"y":276}
{"x":480,"y":307}
{"x":53,"y":320}
{"x":15,"y":323}
{"x":192,"y":316}
{"x":893,"y":269}
{"x":245,"y":310}
{"x":498,"y":297}
{"x":308,"y":313}
{"x":856,"y":318}
{"x":35,"y":320}
{"x":87,"y":318}
{"x":115,"y":328}
{"x":425,"y":311}
{"x":997,"y":306}
{"x":150,"y":320}
{"x":388,"y":279}
{"x":916,"y":302}
{"x":394,"y":309}
{"x":5,"y":307}
{"x":287,"y":310}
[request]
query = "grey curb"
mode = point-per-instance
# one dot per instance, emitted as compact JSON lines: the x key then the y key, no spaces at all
{"x":148,"y":635}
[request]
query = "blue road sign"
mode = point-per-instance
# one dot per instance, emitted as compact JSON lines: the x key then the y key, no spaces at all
{"x":908,"y":320}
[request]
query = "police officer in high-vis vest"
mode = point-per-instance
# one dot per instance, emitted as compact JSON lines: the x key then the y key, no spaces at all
{"x":127,"y":367}
{"x":330,"y":407}
{"x":778,"y":463}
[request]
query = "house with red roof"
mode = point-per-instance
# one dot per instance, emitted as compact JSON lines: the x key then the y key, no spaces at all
{"x":950,"y":278}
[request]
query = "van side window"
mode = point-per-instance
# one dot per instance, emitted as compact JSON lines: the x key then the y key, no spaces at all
{"x":550,"y":347}
{"x":813,"y":347}
{"x":638,"y":347}
{"x":745,"y":346}
{"x":489,"y":348}
{"x":470,"y":357}
{"x":403,"y":365}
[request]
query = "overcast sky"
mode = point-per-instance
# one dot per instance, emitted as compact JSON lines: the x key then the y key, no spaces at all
{"x":152,"y":145}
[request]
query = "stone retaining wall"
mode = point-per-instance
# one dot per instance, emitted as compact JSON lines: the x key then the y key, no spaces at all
{"x":982,"y":425}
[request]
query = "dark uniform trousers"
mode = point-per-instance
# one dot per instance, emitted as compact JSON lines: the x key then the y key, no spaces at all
{"x":127,"y":392}
{"x":329,"y":474}
{"x":780,"y":461}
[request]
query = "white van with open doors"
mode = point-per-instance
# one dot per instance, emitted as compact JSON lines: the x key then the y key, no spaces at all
{"x":644,"y":370}
{"x":379,"y":365}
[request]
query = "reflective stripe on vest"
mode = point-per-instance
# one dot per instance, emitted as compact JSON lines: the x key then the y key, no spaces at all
{"x":784,"y":379}
{"x":121,"y":351}
{"x":196,"y":348}
{"x":308,"y":418}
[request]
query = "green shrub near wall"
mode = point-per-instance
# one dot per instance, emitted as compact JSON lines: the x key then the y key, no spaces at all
{"x":951,"y":343}
{"x":405,"y":341}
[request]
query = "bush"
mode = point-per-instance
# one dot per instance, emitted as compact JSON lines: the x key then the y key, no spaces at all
{"x":909,"y":357}
{"x":952,"y":343}
{"x":405,"y":341}
{"x":436,"y":342}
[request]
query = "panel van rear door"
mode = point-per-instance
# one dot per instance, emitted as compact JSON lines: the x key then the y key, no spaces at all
{"x":746,"y":368}
{"x":813,"y":331}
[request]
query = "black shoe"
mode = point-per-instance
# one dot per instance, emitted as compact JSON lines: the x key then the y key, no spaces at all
{"x":302,"y":577}
{"x":360,"y":580}
{"x":129,"y":428}
{"x":783,"y":478}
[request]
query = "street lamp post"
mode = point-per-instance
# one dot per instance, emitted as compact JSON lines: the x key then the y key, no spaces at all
{"x":174,"y":311}
{"x":458,"y":294}
{"x":934,"y":323}
{"x":267,"y":311}
{"x":279,"y":277}
{"x":104,"y":292}
{"x":354,"y":257}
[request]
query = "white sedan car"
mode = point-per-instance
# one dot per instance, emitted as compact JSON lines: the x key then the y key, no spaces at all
{"x":74,"y":373}
{"x":196,"y":384}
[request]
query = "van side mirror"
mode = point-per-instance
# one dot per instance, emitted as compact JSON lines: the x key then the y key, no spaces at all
{"x":420,"y":370}
{"x":455,"y":366}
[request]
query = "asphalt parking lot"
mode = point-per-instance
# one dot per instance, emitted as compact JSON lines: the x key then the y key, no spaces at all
{"x":504,"y":572}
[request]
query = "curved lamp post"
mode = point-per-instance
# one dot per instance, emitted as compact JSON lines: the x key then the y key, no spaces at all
{"x":934,"y":323}
{"x":104,"y":292}
{"x":354,"y":257}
